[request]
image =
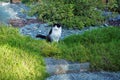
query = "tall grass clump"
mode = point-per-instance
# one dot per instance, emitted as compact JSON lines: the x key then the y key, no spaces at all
{"x":100,"y":47}
{"x":20,"y":58}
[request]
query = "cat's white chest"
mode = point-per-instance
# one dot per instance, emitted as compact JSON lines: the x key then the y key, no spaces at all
{"x":56,"y":34}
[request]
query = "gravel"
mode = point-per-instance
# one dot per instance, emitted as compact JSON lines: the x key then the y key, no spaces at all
{"x":80,"y":75}
{"x":87,"y":76}
{"x":6,"y":12}
{"x":35,"y":28}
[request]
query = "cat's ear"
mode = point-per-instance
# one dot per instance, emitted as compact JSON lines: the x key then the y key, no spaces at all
{"x":54,"y":25}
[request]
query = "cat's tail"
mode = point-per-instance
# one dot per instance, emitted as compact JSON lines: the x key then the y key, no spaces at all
{"x":41,"y":36}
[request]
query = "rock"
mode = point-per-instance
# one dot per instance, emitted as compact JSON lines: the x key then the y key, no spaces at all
{"x":28,"y":17}
{"x":7,"y":13}
{"x":54,"y":66}
{"x":30,"y":29}
{"x":60,"y":69}
{"x":114,"y":22}
{"x":69,"y":68}
{"x":87,"y":76}
{"x":106,"y":13}
{"x":105,"y":25}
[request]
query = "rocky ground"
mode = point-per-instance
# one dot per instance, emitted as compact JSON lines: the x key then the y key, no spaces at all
{"x":12,"y":14}
{"x":66,"y":70}
{"x":86,"y":76}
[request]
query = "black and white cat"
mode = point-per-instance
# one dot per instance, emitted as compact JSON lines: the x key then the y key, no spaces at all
{"x":54,"y":34}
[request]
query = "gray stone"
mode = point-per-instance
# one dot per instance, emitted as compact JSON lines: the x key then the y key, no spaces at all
{"x":87,"y":76}
{"x":7,"y":13}
{"x":61,"y":66}
{"x":60,"y":69}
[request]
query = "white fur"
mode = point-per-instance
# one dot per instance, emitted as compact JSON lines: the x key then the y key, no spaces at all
{"x":56,"y":33}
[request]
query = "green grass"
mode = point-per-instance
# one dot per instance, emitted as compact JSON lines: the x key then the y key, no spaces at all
{"x":20,"y":58}
{"x":100,"y":47}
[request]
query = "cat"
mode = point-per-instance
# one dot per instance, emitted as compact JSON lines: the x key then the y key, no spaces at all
{"x":54,"y":34}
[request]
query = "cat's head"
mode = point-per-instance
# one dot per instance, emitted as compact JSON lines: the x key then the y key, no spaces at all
{"x":57,"y":26}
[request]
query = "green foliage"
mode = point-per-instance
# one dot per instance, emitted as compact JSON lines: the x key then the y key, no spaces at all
{"x":75,"y":52}
{"x":118,"y":3}
{"x":100,"y":47}
{"x":29,"y":1}
{"x":96,"y":36}
{"x":20,"y":57}
{"x":12,"y":37}
{"x":25,"y":1}
{"x":49,"y":49}
{"x":70,"y":13}
{"x":16,"y":64}
{"x":104,"y":54}
{"x":112,"y":5}
{"x":53,"y":11}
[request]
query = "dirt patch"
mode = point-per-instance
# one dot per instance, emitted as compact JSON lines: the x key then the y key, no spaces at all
{"x":22,"y":22}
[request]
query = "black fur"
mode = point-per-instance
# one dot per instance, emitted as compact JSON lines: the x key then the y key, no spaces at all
{"x":41,"y":36}
{"x":58,"y":25}
{"x":50,"y":31}
{"x":44,"y":37}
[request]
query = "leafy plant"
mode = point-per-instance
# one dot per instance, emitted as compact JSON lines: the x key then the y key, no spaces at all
{"x":73,"y":14}
{"x":118,"y":3}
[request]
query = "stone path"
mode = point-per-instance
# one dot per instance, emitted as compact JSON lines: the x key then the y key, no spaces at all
{"x":66,"y":70}
{"x":34,"y":29}
{"x":86,"y":76}
{"x":62,"y":66}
